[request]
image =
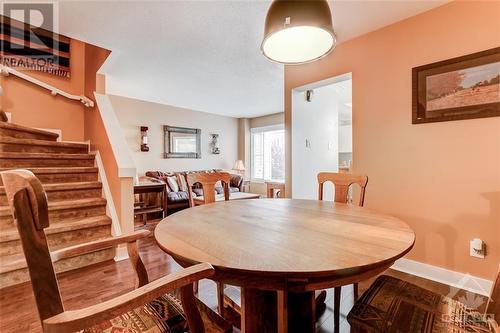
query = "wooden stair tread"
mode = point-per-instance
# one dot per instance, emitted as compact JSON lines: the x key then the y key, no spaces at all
{"x":68,"y":204}
{"x":11,"y":233}
{"x":20,"y":128}
{"x":7,"y":139}
{"x":12,"y":263}
{"x":50,"y":187}
{"x":46,"y":156}
{"x":37,"y":142}
{"x":71,"y":186}
{"x":55,"y":170}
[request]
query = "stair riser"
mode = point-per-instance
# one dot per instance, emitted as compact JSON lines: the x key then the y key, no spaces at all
{"x":62,"y":214}
{"x":21,"y":275}
{"x":62,"y":195}
{"x":68,"y":214}
{"x":67,"y":177}
{"x":15,"y":147}
{"x":12,"y":133}
{"x":54,"y":196}
{"x":44,"y":162}
{"x":60,"y":240}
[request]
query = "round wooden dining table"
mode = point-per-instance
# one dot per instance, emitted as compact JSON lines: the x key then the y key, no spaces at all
{"x":279,"y":251}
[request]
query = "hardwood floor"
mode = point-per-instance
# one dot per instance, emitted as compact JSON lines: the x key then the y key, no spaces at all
{"x":90,"y":285}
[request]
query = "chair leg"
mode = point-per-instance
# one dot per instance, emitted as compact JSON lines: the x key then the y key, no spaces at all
{"x":195,"y":287}
{"x":193,"y":315}
{"x":220,"y":298}
{"x":356,"y":292}
{"x":336,"y":308}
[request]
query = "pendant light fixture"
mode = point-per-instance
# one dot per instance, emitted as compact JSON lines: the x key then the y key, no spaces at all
{"x":298,"y":32}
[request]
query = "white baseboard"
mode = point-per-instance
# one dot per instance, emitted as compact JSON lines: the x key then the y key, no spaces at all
{"x":454,"y":279}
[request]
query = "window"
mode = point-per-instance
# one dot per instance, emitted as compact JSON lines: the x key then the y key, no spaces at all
{"x":268,"y":153}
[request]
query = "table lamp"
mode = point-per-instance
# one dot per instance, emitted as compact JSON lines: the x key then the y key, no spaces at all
{"x":239,"y":167}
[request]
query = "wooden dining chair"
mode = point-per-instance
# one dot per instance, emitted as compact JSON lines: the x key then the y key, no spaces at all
{"x":394,"y":305}
{"x":150,"y":307}
{"x":342,"y":183}
{"x":208,"y":182}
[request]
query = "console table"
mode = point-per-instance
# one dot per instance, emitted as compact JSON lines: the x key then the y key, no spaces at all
{"x":145,"y":209}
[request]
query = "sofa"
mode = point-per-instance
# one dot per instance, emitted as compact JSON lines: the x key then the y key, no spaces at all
{"x":177,"y":191}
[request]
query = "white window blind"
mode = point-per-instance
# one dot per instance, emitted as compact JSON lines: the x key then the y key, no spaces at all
{"x":268,"y":153}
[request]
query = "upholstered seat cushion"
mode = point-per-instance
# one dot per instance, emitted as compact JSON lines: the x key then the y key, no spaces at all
{"x":392,"y":305}
{"x":218,"y":190}
{"x":178,"y":197}
{"x":163,"y":315}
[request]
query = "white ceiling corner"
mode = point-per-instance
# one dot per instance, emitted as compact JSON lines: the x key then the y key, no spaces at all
{"x":205,"y":55}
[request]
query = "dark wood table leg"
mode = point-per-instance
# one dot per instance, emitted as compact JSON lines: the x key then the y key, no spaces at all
{"x":270,"y":311}
{"x":301,"y":312}
{"x":258,"y":311}
{"x":336,"y":308}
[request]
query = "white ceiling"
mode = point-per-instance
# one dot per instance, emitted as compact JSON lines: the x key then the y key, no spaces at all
{"x":204,"y":55}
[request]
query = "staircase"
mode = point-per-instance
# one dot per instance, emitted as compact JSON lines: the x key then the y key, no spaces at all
{"x":77,"y":210}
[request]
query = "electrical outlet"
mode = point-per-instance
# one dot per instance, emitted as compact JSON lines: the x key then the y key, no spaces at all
{"x":477,"y":248}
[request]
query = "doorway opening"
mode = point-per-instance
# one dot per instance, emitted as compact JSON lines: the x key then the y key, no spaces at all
{"x":321,"y":133}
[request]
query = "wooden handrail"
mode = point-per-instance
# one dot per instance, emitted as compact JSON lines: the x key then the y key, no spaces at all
{"x":5,"y":70}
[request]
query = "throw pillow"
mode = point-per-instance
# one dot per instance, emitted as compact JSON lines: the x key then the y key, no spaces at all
{"x":172,"y":183}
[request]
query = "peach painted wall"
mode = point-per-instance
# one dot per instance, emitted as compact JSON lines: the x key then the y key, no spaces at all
{"x":36,"y":107}
{"x":443,"y":179}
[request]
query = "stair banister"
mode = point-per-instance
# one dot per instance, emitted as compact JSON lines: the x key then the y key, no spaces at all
{"x":5,"y":70}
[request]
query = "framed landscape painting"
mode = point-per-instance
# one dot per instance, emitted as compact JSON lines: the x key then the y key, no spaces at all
{"x":460,"y":88}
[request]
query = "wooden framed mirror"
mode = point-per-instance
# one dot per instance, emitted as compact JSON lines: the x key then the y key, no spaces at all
{"x":182,"y":142}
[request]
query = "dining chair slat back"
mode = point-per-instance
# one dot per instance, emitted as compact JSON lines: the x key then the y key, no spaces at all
{"x":208,"y":182}
{"x":342,"y":183}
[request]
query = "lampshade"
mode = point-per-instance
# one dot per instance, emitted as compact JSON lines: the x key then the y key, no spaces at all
{"x":298,"y":31}
{"x":239,"y":166}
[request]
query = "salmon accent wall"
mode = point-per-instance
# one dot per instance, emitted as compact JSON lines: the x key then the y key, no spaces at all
{"x":443,"y":179}
{"x":35,"y":107}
